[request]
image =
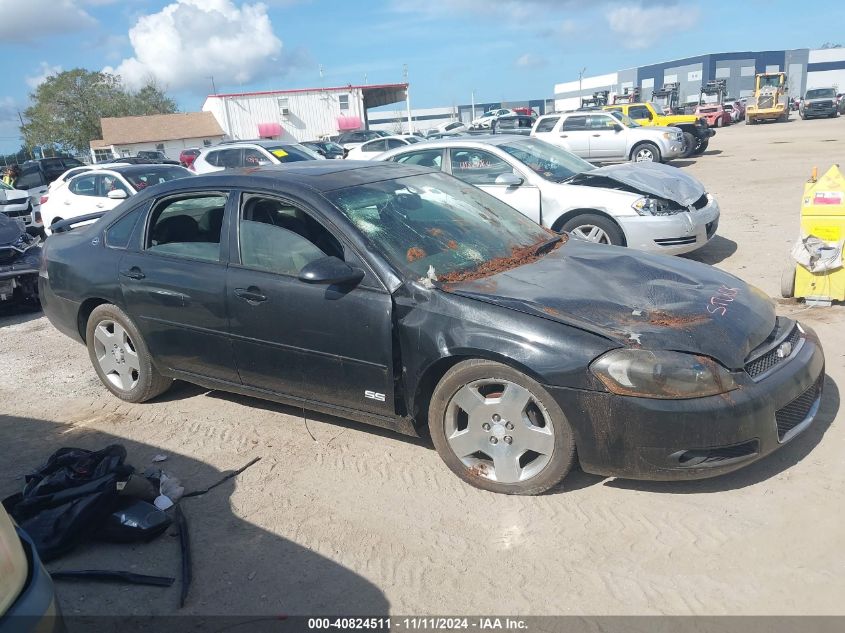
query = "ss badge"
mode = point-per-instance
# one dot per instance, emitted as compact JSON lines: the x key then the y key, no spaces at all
{"x":374,"y":395}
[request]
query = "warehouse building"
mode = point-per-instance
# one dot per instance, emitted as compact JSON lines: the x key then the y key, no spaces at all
{"x":301,"y":114}
{"x":805,"y":68}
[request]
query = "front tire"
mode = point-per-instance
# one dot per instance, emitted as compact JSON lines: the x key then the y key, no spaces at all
{"x":690,"y":144}
{"x":499,"y":430}
{"x":702,"y":146}
{"x":120,"y":357}
{"x":596,"y":228}
{"x":646,"y":153}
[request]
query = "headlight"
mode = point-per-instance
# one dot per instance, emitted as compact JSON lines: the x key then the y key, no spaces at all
{"x":668,"y":136}
{"x":651,"y":206}
{"x":658,"y":374}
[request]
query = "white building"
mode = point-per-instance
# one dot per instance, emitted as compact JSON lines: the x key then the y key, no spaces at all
{"x":302,"y":114}
{"x":396,"y":120}
{"x":805,"y":69}
{"x":168,"y":133}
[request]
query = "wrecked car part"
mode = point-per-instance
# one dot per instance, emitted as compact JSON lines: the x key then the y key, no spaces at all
{"x":227,"y":477}
{"x":102,"y":575}
{"x":20,"y":260}
{"x":133,"y":520}
{"x":656,"y":374}
{"x":185,"y":558}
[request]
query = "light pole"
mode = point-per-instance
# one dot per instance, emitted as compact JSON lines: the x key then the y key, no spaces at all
{"x":580,"y":80}
{"x":408,"y":98}
{"x":213,"y":87}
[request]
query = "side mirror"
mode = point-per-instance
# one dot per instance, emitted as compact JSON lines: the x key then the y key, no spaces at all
{"x":509,"y":179}
{"x":330,"y":270}
{"x":617,"y":127}
{"x":116,"y":194}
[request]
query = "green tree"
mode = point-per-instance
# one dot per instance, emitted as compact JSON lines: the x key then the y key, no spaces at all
{"x":65,"y":110}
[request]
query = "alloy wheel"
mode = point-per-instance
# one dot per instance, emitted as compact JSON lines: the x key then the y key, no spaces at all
{"x":644,"y":155}
{"x":499,"y":430}
{"x":591,"y":233}
{"x":116,"y":355}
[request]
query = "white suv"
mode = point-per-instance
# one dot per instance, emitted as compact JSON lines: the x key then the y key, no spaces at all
{"x":250,"y":154}
{"x":604,"y":137}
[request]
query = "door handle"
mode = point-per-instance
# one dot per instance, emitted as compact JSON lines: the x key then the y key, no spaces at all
{"x":133,"y":273}
{"x":99,"y":205}
{"x":251,"y":295}
{"x":596,"y":134}
{"x":67,"y":201}
{"x":564,"y":136}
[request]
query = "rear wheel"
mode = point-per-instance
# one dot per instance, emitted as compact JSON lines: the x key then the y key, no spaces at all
{"x":593,"y":227}
{"x":499,"y":430}
{"x":646,"y":153}
{"x":701,"y":146}
{"x":120,"y":356}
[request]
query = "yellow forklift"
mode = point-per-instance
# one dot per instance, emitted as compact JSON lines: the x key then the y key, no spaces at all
{"x":770,"y":101}
{"x":818,"y":275}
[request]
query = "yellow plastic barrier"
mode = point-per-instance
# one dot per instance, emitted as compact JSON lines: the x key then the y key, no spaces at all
{"x":822,"y":216}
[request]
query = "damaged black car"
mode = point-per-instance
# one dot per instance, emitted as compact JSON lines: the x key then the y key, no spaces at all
{"x":409,"y":300}
{"x":20,"y":258}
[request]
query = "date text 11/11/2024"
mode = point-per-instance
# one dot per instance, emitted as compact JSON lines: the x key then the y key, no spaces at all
{"x":419,"y":624}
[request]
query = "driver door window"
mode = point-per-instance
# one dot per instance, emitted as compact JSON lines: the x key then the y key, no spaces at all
{"x":477,"y":167}
{"x":639,"y":112}
{"x":279,"y":238}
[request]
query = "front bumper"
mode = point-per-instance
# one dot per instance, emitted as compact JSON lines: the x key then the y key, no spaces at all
{"x":36,"y":608}
{"x":672,"y":234}
{"x":820,"y":111}
{"x":644,"y":438}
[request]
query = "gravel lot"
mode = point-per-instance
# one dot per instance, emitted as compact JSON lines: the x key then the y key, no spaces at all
{"x":341,"y":518}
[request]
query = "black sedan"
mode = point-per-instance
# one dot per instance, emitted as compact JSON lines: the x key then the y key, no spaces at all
{"x":406,"y":299}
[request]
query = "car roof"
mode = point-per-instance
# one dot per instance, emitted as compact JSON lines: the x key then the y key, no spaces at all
{"x":139,"y":169}
{"x":261,"y":142}
{"x":318,"y":175}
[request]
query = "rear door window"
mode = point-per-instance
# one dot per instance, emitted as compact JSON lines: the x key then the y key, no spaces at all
{"x":188,"y":226}
{"x":30,"y":178}
{"x":85,"y":185}
{"x":575,"y":123}
{"x":255,"y":158}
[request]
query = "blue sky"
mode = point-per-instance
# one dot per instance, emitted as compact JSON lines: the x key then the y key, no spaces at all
{"x":501,"y":49}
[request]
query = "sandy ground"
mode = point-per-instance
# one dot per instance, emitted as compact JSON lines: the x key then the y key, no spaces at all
{"x":355,"y":520}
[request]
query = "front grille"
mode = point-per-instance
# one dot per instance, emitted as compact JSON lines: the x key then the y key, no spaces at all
{"x":798,"y":410}
{"x":17,"y":214}
{"x":766,"y":101}
{"x":675,"y":241}
{"x":821,"y":105}
{"x":7,"y":255}
{"x":770,"y":359}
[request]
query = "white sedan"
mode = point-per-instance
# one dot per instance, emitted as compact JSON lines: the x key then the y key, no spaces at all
{"x":371,"y":149}
{"x":648,"y":206}
{"x":103,"y":189}
{"x":486,"y":120}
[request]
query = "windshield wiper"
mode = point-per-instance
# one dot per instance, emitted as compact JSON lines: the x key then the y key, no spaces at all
{"x":547,"y":246}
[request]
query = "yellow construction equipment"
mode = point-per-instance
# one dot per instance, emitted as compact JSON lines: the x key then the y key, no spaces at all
{"x":770,"y":101}
{"x":819,"y":276}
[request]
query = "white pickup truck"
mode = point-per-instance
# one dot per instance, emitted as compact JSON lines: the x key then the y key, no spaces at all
{"x":600,"y":137}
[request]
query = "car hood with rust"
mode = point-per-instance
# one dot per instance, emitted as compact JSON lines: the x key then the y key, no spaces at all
{"x":635,"y":299}
{"x":655,"y":179}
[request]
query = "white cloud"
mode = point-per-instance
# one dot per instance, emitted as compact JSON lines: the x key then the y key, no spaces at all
{"x":31,"y":20}
{"x":644,"y":26}
{"x":189,"y":40}
{"x":528,"y":60}
{"x":44,"y":71}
